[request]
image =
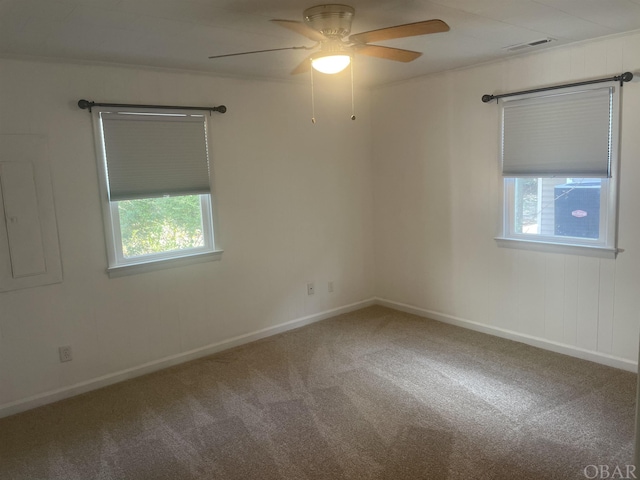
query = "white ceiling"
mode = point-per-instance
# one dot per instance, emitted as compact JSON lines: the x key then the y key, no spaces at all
{"x":183,"y":33}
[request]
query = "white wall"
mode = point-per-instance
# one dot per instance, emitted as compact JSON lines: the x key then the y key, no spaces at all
{"x":438,"y":197}
{"x":294,"y":202}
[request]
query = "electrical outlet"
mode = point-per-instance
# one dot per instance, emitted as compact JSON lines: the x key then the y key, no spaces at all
{"x":65,"y":353}
{"x":311,"y":289}
{"x":330,"y":287}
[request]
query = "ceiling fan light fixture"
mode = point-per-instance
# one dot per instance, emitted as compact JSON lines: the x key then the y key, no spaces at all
{"x":332,"y":63}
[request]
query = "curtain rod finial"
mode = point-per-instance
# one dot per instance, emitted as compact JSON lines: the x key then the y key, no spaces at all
{"x":84,"y":104}
{"x":487,"y":98}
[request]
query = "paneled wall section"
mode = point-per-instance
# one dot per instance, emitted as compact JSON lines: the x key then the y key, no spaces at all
{"x":438,"y":200}
{"x":292,"y":208}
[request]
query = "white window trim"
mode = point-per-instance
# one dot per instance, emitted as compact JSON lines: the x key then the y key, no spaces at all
{"x":605,"y":248}
{"x":119,"y":265}
{"x":555,"y":247}
{"x":152,"y":266}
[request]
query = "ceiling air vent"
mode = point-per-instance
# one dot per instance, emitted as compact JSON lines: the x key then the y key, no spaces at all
{"x":522,"y":46}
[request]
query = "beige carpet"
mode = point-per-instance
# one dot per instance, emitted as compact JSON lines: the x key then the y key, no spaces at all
{"x":375,"y":394}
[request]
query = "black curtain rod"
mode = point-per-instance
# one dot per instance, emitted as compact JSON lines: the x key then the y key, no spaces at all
{"x":625,"y":77}
{"x":86,"y":104}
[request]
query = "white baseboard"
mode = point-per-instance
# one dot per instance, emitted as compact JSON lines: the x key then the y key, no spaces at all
{"x":109,"y":379}
{"x":565,"y":349}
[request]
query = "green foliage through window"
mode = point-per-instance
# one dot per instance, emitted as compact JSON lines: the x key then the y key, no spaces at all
{"x":527,"y":198}
{"x":156,"y":225}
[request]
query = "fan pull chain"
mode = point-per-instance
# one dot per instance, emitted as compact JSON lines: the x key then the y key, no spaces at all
{"x":313,"y":100}
{"x":353,"y":103}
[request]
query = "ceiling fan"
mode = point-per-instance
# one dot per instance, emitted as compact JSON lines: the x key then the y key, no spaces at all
{"x":330,"y":25}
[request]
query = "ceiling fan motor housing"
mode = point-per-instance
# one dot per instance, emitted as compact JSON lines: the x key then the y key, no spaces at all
{"x":333,"y":21}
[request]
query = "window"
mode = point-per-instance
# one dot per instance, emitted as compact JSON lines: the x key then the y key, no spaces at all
{"x":559,"y":162}
{"x":154,"y":169}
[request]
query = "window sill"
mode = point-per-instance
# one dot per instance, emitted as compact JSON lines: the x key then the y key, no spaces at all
{"x":145,"y":267}
{"x":564,"y":248}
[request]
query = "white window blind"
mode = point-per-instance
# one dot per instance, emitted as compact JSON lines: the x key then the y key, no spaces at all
{"x":566,"y":133}
{"x":153,"y":155}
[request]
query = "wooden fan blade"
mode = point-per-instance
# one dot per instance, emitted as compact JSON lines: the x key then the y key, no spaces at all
{"x":302,"y":29}
{"x":401,"y":31}
{"x":303,"y":66}
{"x":388,"y":53}
{"x":260,"y":51}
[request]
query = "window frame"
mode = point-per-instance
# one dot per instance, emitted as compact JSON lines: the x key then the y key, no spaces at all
{"x":118,"y":264}
{"x":605,"y":247}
